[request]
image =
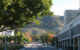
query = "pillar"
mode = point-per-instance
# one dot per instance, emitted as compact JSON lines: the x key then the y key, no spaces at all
{"x":73,"y":44}
{"x":58,"y":44}
{"x":66,"y":43}
{"x":62,"y":44}
{"x":70,"y":43}
{"x":78,"y":43}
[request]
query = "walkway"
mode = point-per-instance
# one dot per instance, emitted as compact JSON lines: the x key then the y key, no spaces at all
{"x":38,"y":46}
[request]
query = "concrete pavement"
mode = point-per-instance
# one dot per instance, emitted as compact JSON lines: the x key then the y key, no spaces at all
{"x":38,"y":46}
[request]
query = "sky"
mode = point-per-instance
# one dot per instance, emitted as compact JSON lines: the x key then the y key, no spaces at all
{"x":59,"y":6}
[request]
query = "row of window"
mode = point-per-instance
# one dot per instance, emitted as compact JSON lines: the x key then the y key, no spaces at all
{"x":64,"y":35}
{"x":75,"y":30}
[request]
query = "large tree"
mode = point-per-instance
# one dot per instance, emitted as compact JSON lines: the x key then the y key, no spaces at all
{"x":17,"y":13}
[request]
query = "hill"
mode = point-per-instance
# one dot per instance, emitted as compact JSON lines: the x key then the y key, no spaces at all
{"x":48,"y":23}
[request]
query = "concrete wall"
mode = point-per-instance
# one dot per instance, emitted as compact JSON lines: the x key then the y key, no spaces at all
{"x":8,"y":33}
{"x":69,"y":15}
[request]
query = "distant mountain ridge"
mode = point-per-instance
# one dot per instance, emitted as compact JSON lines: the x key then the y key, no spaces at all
{"x":48,"y":23}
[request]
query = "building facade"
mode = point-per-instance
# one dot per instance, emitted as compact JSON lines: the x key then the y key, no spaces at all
{"x":7,"y":33}
{"x":69,"y":37}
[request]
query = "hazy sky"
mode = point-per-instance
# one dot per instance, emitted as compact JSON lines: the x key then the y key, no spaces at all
{"x":59,"y":6}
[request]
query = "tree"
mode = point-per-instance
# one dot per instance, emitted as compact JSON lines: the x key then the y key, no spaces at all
{"x":36,"y":37}
{"x":44,"y":38}
{"x":17,"y":13}
{"x":47,"y":38}
{"x":20,"y":38}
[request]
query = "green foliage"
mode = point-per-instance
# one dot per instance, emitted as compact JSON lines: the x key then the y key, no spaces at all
{"x":44,"y":38}
{"x":18,"y":33}
{"x":20,"y":38}
{"x":47,"y":37}
{"x":17,"y":13}
{"x":2,"y":38}
{"x":2,"y":47}
{"x":52,"y":42}
{"x":36,"y":37}
{"x":12,"y":47}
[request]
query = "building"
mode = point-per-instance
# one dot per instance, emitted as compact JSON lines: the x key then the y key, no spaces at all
{"x":7,"y":33}
{"x":69,"y":37}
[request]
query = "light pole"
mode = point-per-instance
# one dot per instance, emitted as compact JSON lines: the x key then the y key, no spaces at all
{"x":5,"y":29}
{"x":5,"y":41}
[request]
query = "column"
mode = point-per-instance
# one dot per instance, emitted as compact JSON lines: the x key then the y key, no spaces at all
{"x":78,"y":43}
{"x":66,"y":43}
{"x":62,"y":44}
{"x":73,"y":44}
{"x":58,"y":44}
{"x":70,"y":43}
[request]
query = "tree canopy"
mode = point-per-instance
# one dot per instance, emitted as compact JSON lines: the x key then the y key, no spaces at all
{"x":17,"y":13}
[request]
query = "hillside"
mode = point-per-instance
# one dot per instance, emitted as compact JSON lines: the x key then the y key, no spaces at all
{"x":48,"y":23}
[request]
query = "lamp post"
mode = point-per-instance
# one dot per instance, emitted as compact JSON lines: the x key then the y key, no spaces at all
{"x":5,"y":29}
{"x":5,"y":41}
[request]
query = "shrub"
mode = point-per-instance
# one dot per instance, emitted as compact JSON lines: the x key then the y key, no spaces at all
{"x":12,"y":47}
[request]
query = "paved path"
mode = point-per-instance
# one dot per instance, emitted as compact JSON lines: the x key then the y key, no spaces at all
{"x":38,"y":46}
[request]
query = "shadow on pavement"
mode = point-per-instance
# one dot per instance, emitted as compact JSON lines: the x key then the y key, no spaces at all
{"x":29,"y":49}
{"x":36,"y":48}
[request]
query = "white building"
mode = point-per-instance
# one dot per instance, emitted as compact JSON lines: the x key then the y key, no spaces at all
{"x":7,"y":33}
{"x":69,"y":37}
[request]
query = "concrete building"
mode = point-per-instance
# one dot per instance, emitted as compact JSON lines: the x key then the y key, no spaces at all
{"x":7,"y":33}
{"x":69,"y":37}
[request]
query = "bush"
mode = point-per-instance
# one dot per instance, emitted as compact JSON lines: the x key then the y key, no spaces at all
{"x":12,"y":47}
{"x":1,"y":47}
